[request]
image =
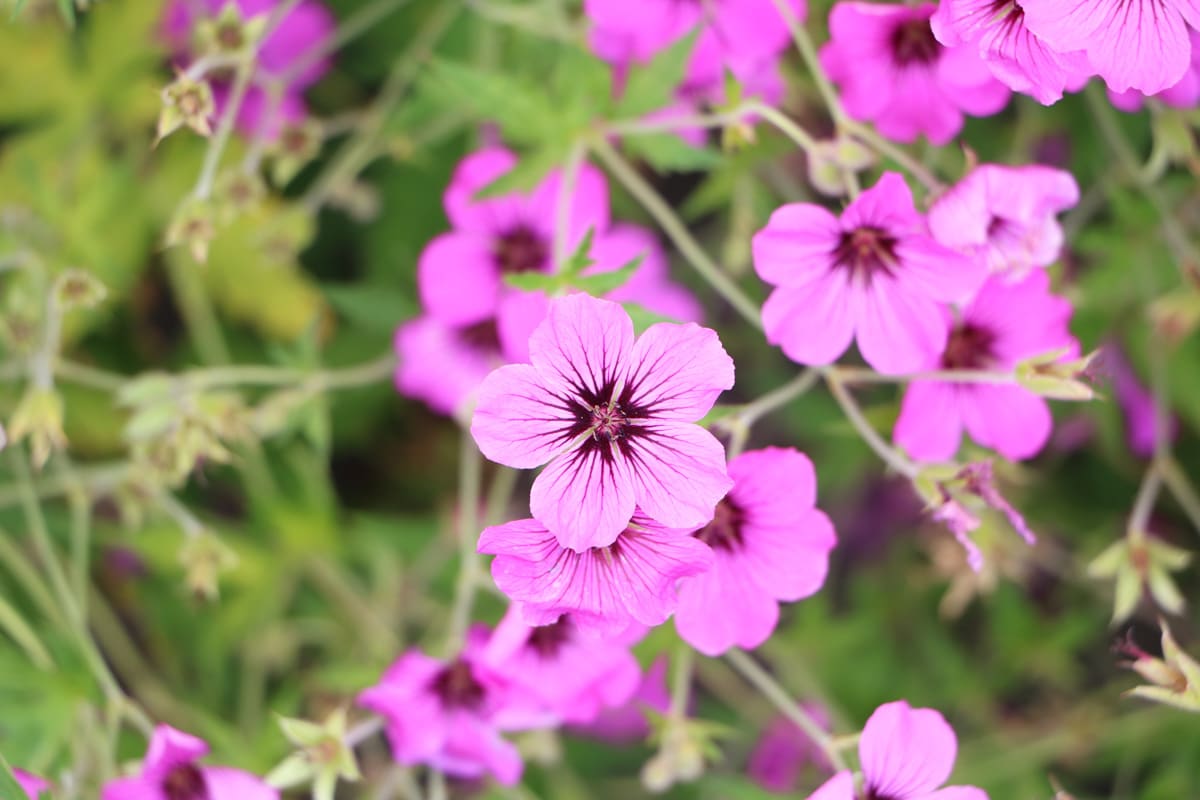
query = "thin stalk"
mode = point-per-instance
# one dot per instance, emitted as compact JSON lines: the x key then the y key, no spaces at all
{"x":859,"y":375}
{"x":681,"y":685}
{"x":1143,"y":505}
{"x":890,"y":456}
{"x":673,"y":226}
{"x":784,"y":124}
{"x":470,"y":477}
{"x":778,"y":696}
{"x":1179,"y":485}
{"x":355,"y":25}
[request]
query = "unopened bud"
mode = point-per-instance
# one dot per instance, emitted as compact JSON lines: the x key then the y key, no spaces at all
{"x":76,"y":288}
{"x":296,"y":145}
{"x":39,"y":418}
{"x":186,"y":102}
{"x":1174,"y":678}
{"x":229,"y":33}
{"x":205,"y":558}
{"x":238,"y":192}
{"x":1048,"y":375}
{"x":194,"y":225}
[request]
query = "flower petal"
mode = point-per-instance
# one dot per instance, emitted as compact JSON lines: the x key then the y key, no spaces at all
{"x":839,"y":787}
{"x":493,"y":216}
{"x":226,"y":783}
{"x":581,"y":345}
{"x":1011,"y":420}
{"x":678,"y":371}
{"x":585,"y":496}
{"x":458,"y":280}
{"x":906,"y":752}
{"x":723,"y":608}
{"x":796,"y":247}
{"x":518,"y":421}
{"x":678,"y":473}
{"x":899,"y":331}
{"x":930,"y":424}
{"x":815,"y":324}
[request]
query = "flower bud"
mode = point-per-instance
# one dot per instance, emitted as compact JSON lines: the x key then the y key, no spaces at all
{"x":194,"y":225}
{"x":1049,"y":376}
{"x":1174,"y":678}
{"x":39,"y":418}
{"x":205,"y":558}
{"x":296,"y":145}
{"x":238,"y":192}
{"x":186,"y":102}
{"x":77,"y":289}
{"x":229,"y":33}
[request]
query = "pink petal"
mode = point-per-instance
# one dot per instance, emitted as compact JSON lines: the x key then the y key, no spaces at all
{"x":789,"y":563}
{"x":813,"y":325}
{"x":930,"y":424}
{"x":796,"y":248}
{"x":169,"y":747}
{"x":586,"y":497}
{"x":488,"y":217}
{"x":959,"y":217}
{"x":458,"y":279}
{"x":678,"y":473}
{"x":649,"y":286}
{"x":587,"y":209}
{"x":775,"y":482}
{"x":518,"y":316}
{"x":582,"y":344}
{"x":1013,"y":421}
{"x":678,"y":371}
{"x":899,"y":331}
{"x":839,"y":787}
{"x":225,"y":783}
{"x":723,"y":608}
{"x":938,"y":272}
{"x":958,"y":793}
{"x":906,"y":752}
{"x":887,"y":204}
{"x":437,"y":366}
{"x":519,"y":421}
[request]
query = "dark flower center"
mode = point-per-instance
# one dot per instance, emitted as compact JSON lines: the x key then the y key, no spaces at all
{"x":520,"y":250}
{"x":866,"y":251}
{"x":229,"y":36}
{"x":185,"y":782}
{"x":482,"y":336}
{"x":871,"y":794}
{"x":969,"y":347}
{"x":547,"y":640}
{"x":725,"y":530}
{"x":457,"y":688}
{"x":608,"y":419}
{"x":913,"y":43}
{"x":608,"y":422}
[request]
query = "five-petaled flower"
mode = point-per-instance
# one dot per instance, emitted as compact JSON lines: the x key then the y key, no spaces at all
{"x":614,"y":417}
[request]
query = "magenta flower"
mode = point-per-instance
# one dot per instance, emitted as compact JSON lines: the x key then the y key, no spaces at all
{"x":961,"y":523}
{"x":1005,"y":324}
{"x":606,"y":589}
{"x":1017,"y":57}
{"x":1005,"y":216}
{"x":746,"y":37}
{"x":892,"y":71}
{"x":783,"y":751}
{"x":32,"y":785}
{"x":474,"y":323}
{"x":874,"y":275}
{"x":615,"y":419}
{"x":170,"y":772}
{"x":449,"y":715}
{"x":307,"y":26}
{"x":906,"y":754}
{"x":1133,"y":44}
{"x":1137,"y":405}
{"x":1185,"y":93}
{"x":769,"y":544}
{"x":567,"y":674}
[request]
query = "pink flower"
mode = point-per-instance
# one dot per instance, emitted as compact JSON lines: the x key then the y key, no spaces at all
{"x":875,"y":275}
{"x":307,"y":26}
{"x":782,"y":752}
{"x":449,"y":715}
{"x":32,"y":785}
{"x":605,"y":589}
{"x":1133,"y":44}
{"x":769,"y":544}
{"x":474,"y":323}
{"x":1005,"y":216}
{"x":906,"y":754}
{"x":961,"y":523}
{"x":1137,"y":405}
{"x":1005,"y":324}
{"x":746,"y":37}
{"x":1183,"y":94}
{"x":566,"y":673}
{"x":170,"y":772}
{"x":615,"y":419}
{"x":628,"y":722}
{"x":1017,"y":57}
{"x":893,"y":72}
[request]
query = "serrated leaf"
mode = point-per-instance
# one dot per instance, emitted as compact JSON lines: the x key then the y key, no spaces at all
{"x":667,"y":152}
{"x":523,"y":177}
{"x":602,"y":283}
{"x":522,"y":110}
{"x":581,"y":259}
{"x":652,"y":87}
{"x":643,"y":317}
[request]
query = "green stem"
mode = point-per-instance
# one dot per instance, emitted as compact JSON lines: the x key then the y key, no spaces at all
{"x":890,"y":456}
{"x":470,"y":477}
{"x":1185,"y":494}
{"x":361,"y":21}
{"x":681,"y":685}
{"x":809,"y":53}
{"x":784,"y":124}
{"x":192,"y":297}
{"x":1143,"y":505}
{"x":778,"y":696}
{"x":669,"y":221}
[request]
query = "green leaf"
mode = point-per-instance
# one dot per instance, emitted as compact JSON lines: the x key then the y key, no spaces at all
{"x":374,"y":307}
{"x":643,"y":317}
{"x":15,"y":625}
{"x":527,"y":173}
{"x":652,"y":87}
{"x":602,"y":283}
{"x":67,"y":9}
{"x":581,"y":259}
{"x":522,"y":110}
{"x":9,"y":788}
{"x":666,"y":152}
{"x":534,"y":282}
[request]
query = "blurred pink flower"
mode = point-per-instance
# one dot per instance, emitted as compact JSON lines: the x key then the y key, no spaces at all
{"x":449,"y":715}
{"x":1017,"y":57}
{"x":170,"y":772}
{"x":1132,"y":44}
{"x":307,"y":26}
{"x":614,"y":418}
{"x":628,"y":723}
{"x":906,"y":754}
{"x":1137,"y":404}
{"x":564,"y":672}
{"x":1183,"y":94}
{"x":769,"y":544}
{"x":746,"y":37}
{"x":782,"y":752}
{"x":874,"y":275}
{"x":1005,"y":216}
{"x":473,"y":321}
{"x":892,"y":71}
{"x":1005,"y":324}
{"x":32,"y":785}
{"x":605,"y":589}
{"x":961,"y":523}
